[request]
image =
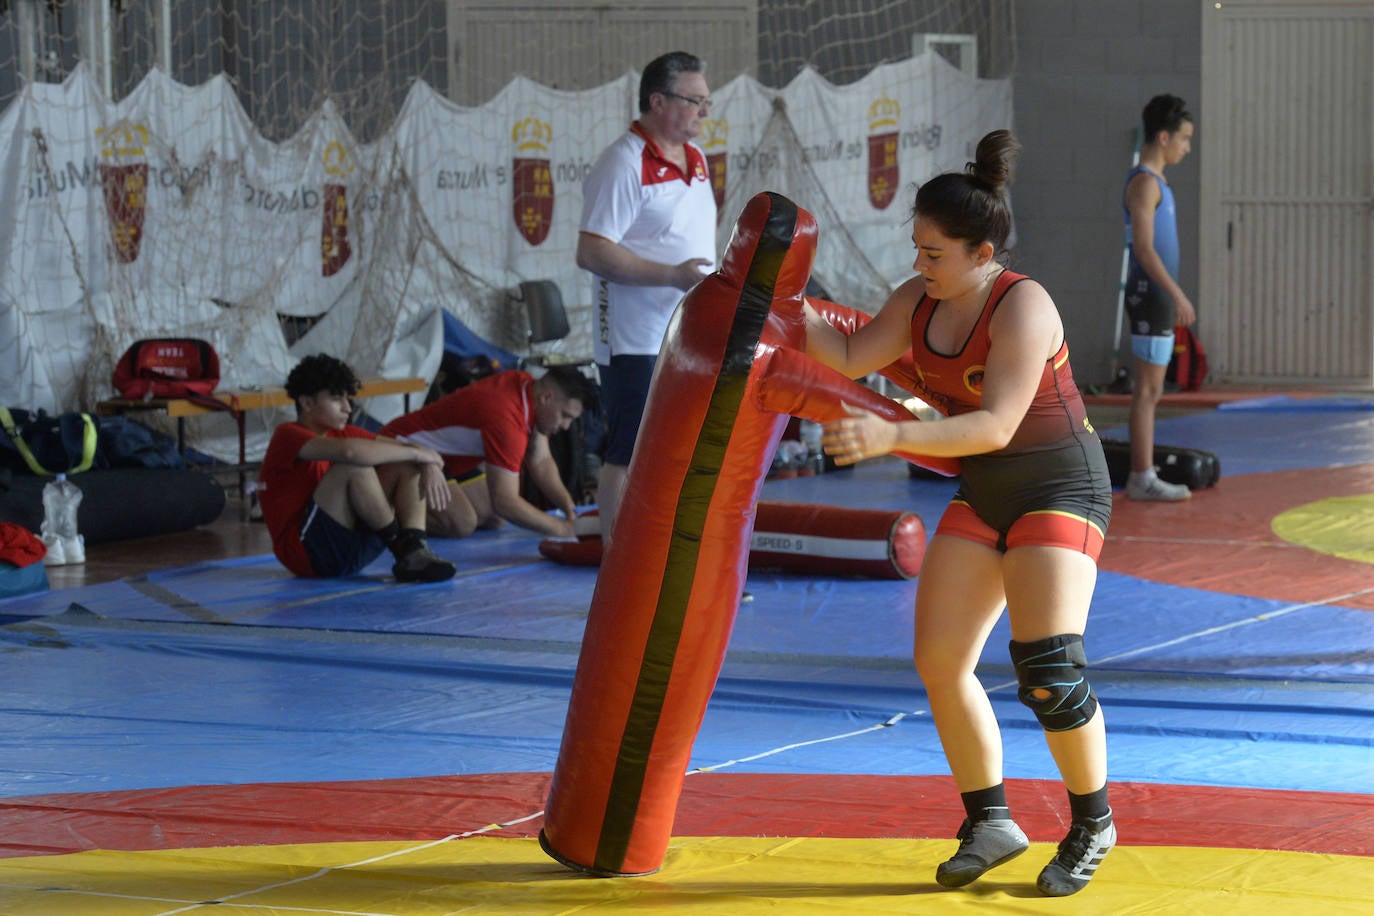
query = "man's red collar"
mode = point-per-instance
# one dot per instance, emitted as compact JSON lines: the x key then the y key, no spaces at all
{"x":696,"y":162}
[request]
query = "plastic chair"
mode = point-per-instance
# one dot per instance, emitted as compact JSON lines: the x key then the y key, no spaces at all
{"x":548,"y":321}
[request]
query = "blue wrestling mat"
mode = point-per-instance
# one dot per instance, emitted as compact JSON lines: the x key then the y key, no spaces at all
{"x":234,"y":672}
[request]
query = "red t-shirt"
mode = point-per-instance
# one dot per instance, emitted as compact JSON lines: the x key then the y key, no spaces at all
{"x":286,"y":485}
{"x":490,"y":420}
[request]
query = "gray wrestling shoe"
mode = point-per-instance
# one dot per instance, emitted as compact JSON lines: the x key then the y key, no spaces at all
{"x":1074,"y":865}
{"x":983,"y":845}
{"x":421,"y":565}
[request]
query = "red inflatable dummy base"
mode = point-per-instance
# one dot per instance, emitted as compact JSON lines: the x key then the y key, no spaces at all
{"x":799,"y":538}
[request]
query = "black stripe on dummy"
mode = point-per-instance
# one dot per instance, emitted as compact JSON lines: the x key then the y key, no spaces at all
{"x":689,"y":521}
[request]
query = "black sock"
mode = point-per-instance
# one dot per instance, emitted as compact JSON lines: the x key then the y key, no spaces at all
{"x":388,"y":534}
{"x":1089,"y":807}
{"x":407,"y":542}
{"x":986,"y":804}
{"x":401,"y":541}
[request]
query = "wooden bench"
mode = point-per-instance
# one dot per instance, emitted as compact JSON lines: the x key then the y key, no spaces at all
{"x":238,"y":402}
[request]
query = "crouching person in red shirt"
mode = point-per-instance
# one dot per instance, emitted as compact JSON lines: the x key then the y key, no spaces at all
{"x":334,"y":495}
{"x":492,"y":431}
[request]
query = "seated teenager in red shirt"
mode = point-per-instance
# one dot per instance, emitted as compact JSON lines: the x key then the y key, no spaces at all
{"x":487,"y":432}
{"x":334,"y":495}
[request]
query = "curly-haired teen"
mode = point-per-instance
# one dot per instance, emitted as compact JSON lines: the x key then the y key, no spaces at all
{"x":334,"y":495}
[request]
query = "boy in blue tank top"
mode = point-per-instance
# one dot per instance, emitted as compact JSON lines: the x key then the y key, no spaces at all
{"x":1155,"y":303}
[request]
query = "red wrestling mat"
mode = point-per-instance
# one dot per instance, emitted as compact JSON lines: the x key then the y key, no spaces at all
{"x":1222,"y":539}
{"x":1207,"y":397}
{"x":712,"y":805}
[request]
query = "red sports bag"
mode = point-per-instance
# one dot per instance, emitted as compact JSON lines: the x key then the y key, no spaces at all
{"x":167,"y":367}
{"x":1188,"y":367}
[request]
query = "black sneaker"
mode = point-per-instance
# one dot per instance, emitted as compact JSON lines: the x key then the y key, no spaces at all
{"x":421,"y":565}
{"x":983,"y":845}
{"x":1086,"y":845}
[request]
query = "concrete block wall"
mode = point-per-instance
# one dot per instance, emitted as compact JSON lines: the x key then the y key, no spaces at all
{"x":1084,"y":70}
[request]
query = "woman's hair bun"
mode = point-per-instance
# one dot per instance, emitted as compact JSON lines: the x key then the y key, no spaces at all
{"x":994,"y":158}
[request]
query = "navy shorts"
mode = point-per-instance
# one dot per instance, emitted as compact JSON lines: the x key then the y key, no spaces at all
{"x":1148,"y":307}
{"x":333,"y":549}
{"x":624,"y":391}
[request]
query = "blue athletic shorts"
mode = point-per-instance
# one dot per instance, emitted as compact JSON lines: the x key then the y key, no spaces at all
{"x":624,"y":391}
{"x":1157,"y":351}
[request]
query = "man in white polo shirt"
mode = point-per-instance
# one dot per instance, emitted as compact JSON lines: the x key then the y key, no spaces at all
{"x":648,"y":234}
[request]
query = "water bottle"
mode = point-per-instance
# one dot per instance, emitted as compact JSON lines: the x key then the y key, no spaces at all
{"x":61,"y":498}
{"x":811,"y":438}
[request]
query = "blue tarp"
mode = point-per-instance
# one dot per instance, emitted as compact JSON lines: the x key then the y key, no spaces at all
{"x":463,"y":343}
{"x":235,"y":672}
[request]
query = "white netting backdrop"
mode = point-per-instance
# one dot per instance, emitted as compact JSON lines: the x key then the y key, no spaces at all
{"x":290,"y":178}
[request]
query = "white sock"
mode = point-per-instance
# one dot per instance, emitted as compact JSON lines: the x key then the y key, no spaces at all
{"x":1142,"y":477}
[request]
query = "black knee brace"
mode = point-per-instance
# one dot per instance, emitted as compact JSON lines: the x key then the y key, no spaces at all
{"x":1053,"y":665}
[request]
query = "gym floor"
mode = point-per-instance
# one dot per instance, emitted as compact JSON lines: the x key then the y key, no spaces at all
{"x":187,"y":726}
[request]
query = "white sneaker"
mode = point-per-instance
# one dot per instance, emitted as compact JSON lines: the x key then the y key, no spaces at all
{"x":56,"y":553}
{"x":75,"y":548}
{"x":1151,"y":489}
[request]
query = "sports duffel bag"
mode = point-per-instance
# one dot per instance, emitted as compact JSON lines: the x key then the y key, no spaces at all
{"x":1193,"y":467}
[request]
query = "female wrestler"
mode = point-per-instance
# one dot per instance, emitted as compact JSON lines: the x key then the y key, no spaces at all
{"x":1024,"y":529}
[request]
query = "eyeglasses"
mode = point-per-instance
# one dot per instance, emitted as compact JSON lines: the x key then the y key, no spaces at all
{"x":704,"y":104}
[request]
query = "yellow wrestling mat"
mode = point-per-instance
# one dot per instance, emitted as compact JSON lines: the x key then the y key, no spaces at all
{"x":1339,"y":527}
{"x":701,"y":875}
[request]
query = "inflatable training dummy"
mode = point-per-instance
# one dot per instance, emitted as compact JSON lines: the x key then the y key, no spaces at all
{"x":729,"y":373}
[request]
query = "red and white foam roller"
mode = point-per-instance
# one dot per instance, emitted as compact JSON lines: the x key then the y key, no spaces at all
{"x":801,"y":538}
